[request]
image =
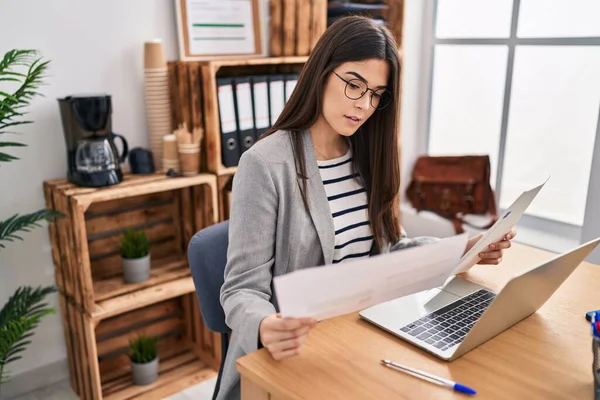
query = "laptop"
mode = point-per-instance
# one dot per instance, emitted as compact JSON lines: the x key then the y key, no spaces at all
{"x":454,"y":319}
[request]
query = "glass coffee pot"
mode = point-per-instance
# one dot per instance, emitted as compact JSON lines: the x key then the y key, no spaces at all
{"x":99,"y":154}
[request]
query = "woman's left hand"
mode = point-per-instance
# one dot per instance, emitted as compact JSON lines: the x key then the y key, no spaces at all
{"x":493,"y":254}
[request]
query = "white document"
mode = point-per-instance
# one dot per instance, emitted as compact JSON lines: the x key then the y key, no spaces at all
{"x":220,"y":27}
{"x":328,"y":291}
{"x":505,"y":223}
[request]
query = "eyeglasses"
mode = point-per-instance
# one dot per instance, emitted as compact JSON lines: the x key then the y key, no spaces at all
{"x":355,"y":89}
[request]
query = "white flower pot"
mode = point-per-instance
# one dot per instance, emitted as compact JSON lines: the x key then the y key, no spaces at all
{"x":144,"y":374}
{"x":136,"y":269}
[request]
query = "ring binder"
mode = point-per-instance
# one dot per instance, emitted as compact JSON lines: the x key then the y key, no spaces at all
{"x":230,"y":149}
{"x":244,"y":112}
{"x":260,"y":101}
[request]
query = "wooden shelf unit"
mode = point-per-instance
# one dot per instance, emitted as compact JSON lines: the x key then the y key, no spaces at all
{"x":395,"y":17}
{"x":86,"y":241}
{"x":224,"y":184}
{"x":194,"y":101}
{"x":295,"y":26}
{"x":97,"y":305}
{"x":97,"y":348}
{"x":211,"y":70}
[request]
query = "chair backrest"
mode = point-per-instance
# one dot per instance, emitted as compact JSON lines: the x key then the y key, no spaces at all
{"x":207,"y":255}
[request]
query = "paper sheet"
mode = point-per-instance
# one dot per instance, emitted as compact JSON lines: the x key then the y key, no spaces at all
{"x":505,"y":223}
{"x":220,"y":27}
{"x":328,"y":291}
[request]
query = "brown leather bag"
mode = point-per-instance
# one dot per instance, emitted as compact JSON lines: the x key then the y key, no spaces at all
{"x":452,"y":186}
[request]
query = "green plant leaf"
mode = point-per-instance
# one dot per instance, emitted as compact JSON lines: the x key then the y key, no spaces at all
{"x":7,"y":157}
{"x":31,"y":79}
{"x":18,"y":318}
{"x":9,"y":124}
{"x":24,"y":223}
{"x":11,"y":73}
{"x":8,"y":95}
{"x":143,"y":349}
{"x":12,"y":144}
{"x":134,"y":244}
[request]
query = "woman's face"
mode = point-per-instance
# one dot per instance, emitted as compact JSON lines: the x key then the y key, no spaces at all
{"x":345,"y":115}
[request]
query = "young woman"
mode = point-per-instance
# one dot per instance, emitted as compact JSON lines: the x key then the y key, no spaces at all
{"x":321,"y":187}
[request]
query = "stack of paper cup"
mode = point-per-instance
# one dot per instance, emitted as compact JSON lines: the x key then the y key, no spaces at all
{"x":170,"y":158}
{"x":158,"y":103}
{"x":189,"y":153}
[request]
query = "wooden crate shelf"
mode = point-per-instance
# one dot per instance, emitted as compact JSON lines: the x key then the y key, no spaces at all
{"x":194,"y":100}
{"x":142,"y":297}
{"x":97,"y":349}
{"x":295,"y":26}
{"x":101,"y":313}
{"x":162,"y":270}
{"x":86,"y":242}
{"x":211,"y":70}
{"x":224,"y":185}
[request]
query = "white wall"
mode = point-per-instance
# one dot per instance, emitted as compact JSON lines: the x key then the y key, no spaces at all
{"x":591,"y":223}
{"x":97,"y":46}
{"x":414,"y":91}
{"x":94,"y":46}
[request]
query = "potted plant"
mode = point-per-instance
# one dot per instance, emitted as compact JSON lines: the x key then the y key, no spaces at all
{"x":135,"y":256}
{"x":144,"y":359}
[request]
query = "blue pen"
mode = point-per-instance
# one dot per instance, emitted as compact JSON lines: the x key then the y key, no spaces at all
{"x":428,"y":377}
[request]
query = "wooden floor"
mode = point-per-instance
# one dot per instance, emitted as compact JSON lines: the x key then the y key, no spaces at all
{"x":62,"y":391}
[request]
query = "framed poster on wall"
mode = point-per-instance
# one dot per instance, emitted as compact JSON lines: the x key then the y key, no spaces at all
{"x":218,"y":29}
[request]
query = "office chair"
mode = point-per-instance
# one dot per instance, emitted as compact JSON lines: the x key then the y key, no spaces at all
{"x":207,"y":255}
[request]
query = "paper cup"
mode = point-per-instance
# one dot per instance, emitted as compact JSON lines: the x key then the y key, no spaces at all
{"x":190,"y":162}
{"x":170,"y":147}
{"x":158,"y":104}
{"x":153,"y":54}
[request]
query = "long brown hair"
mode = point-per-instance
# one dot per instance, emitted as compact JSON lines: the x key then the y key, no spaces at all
{"x":376,"y":152}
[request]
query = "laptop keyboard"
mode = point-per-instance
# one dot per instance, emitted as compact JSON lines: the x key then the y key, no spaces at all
{"x":449,"y":325}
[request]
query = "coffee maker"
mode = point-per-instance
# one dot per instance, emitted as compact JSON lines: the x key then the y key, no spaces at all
{"x":92,"y":156}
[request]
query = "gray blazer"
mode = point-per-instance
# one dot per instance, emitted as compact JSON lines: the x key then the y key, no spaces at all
{"x":271,"y":234}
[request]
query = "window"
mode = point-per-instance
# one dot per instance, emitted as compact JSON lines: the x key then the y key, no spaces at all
{"x":518,"y":80}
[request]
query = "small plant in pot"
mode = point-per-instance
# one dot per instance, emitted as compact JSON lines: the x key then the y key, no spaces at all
{"x":144,"y":359}
{"x":135,"y":256}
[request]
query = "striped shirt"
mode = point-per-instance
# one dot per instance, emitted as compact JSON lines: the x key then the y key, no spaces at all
{"x":349,"y":208}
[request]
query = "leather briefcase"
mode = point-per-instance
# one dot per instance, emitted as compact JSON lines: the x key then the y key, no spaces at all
{"x":453,"y":186}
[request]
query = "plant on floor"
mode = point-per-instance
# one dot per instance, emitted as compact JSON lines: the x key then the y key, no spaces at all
{"x":21,"y":74}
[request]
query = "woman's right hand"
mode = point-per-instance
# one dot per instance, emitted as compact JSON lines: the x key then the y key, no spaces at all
{"x":284,"y":337}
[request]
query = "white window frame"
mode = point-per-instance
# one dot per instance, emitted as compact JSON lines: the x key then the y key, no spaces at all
{"x":537,"y":231}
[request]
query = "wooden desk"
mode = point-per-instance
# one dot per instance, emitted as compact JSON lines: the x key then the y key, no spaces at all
{"x":546,"y":356}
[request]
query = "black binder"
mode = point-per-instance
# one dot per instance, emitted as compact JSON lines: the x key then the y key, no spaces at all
{"x":260,"y":100}
{"x":230,"y":148}
{"x":290,"y":83}
{"x":244,"y":110}
{"x":276,"y":97}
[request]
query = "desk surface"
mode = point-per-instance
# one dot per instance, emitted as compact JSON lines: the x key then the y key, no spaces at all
{"x":546,"y":356}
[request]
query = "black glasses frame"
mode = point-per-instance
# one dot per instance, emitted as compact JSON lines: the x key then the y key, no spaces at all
{"x":385,"y":92}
